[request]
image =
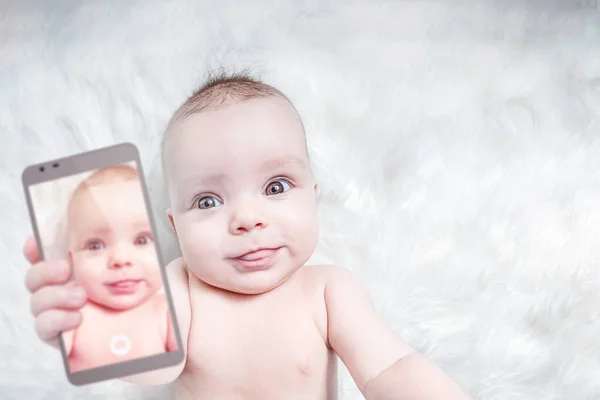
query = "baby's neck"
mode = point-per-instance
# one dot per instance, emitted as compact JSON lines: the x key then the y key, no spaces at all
{"x":245,"y":297}
{"x":109,"y":310}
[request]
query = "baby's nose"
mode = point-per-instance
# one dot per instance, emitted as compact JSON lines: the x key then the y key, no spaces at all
{"x":246,"y":221}
{"x":120,"y":258}
{"x":119,"y":263}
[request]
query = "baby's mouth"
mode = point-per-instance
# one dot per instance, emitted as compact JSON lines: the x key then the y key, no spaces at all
{"x":256,"y":254}
{"x":258,"y":259}
{"x":124,"y":286}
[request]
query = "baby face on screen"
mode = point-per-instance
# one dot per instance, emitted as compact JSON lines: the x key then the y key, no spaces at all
{"x":110,"y":240}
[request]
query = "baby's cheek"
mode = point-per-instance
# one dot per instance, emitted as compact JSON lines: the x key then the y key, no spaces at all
{"x":202,"y":250}
{"x":197,"y":241}
{"x":155,"y":279}
{"x":82,"y":265}
{"x":303,"y":219}
{"x":87,"y":271}
{"x":148,"y":256}
{"x":303,"y":230}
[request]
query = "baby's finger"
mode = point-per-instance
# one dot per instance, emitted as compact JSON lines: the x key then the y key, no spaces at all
{"x":67,"y":297}
{"x":50,"y":323}
{"x":47,"y":273}
{"x":30,"y":250}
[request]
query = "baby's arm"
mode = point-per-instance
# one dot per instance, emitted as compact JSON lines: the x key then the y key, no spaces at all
{"x":381,"y":364}
{"x":178,"y":283}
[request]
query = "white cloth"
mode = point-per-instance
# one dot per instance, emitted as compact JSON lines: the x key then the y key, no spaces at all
{"x":456,"y":144}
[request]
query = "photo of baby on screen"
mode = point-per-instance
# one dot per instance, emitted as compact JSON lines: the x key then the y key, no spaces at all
{"x":105,"y":233}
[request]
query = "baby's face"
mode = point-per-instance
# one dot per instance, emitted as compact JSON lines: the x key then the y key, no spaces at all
{"x":111,"y":245}
{"x":239,"y":180}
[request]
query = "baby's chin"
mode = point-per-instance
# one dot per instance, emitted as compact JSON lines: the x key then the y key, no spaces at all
{"x":250,"y":283}
{"x":123,"y":303}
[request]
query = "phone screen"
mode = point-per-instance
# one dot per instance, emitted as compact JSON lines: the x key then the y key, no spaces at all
{"x":100,"y":222}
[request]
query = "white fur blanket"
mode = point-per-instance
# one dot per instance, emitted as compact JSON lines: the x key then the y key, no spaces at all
{"x":457,"y":145}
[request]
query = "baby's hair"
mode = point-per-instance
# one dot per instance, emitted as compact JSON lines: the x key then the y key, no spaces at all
{"x":222,"y":89}
{"x":115,"y":173}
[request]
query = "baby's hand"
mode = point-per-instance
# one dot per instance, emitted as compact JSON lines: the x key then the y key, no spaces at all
{"x":55,"y":302}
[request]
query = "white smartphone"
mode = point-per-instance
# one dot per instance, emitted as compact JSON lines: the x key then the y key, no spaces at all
{"x":93,"y":210}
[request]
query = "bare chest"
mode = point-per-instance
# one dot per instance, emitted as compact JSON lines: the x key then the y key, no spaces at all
{"x":271,"y":347}
{"x":103,"y":338}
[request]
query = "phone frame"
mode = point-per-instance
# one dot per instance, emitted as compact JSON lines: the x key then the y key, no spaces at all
{"x":88,"y":162}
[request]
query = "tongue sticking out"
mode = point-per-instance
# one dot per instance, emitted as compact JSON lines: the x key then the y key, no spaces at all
{"x":257,"y":255}
{"x":124,"y":287}
{"x":125,"y":284}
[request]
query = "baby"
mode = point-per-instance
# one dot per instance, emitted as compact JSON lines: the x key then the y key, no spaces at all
{"x":114,"y":260}
{"x":256,"y":321}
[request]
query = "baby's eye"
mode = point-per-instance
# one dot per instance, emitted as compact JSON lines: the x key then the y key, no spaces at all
{"x":277,"y":187}
{"x":143,"y":239}
{"x":94,"y":245}
{"x":207,"y":202}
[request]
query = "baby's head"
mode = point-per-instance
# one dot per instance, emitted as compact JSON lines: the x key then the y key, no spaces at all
{"x":238,"y":176}
{"x":110,"y":241}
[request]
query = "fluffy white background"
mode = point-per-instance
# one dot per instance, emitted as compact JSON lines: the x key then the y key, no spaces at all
{"x":456,"y":144}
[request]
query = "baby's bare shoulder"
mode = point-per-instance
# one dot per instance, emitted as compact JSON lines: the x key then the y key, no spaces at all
{"x":313,"y":276}
{"x":316,"y":278}
{"x":325,"y":273}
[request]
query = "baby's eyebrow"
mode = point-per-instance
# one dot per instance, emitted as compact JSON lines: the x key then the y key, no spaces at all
{"x":141,"y":225}
{"x":216,"y":178}
{"x":283,"y":162}
{"x":96,"y":231}
{"x":203,"y":180}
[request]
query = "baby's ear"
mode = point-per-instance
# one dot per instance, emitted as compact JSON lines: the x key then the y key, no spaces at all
{"x":170,"y":216}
